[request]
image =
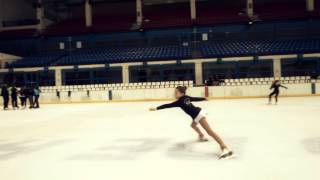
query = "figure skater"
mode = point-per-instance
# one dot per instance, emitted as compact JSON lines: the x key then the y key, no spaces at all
{"x":275,"y":86}
{"x":198,"y":116}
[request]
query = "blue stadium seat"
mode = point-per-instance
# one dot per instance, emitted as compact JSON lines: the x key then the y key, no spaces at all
{"x":40,"y":60}
{"x":116,"y":55}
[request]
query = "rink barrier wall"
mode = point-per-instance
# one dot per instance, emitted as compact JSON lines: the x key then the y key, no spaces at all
{"x":213,"y":92}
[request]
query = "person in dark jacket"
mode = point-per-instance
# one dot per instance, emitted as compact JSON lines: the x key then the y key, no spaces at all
{"x":198,"y":117}
{"x":37,"y":92}
{"x":23,"y":98}
{"x":14,"y":97}
{"x":5,"y":96}
{"x":30,"y":95}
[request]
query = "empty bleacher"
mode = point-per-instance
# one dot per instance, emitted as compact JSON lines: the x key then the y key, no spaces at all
{"x":167,"y":15}
{"x":210,"y":49}
{"x":242,"y":48}
{"x":72,"y":26}
{"x":280,"y":10}
{"x":211,"y":13}
{"x":41,"y":60}
{"x":113,"y":23}
{"x":125,"y":55}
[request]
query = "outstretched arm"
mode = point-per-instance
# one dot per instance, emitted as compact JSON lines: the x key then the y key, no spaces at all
{"x":284,"y":87}
{"x":271,"y":87}
{"x":198,"y":99}
{"x":165,"y":106}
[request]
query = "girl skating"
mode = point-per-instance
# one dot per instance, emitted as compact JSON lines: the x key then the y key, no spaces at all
{"x":275,"y":86}
{"x":198,"y":116}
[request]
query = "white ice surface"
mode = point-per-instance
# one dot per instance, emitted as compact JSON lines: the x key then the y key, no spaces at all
{"x":124,"y":141}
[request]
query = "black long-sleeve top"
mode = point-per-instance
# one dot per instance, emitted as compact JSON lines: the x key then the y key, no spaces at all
{"x":185,"y":104}
{"x":4,"y":92}
{"x":276,"y":87}
{"x":14,"y":92}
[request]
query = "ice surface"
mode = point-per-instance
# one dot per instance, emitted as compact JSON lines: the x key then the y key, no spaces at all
{"x":119,"y":141}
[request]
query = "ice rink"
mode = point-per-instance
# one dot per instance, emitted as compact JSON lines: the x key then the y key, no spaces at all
{"x":122,"y":141}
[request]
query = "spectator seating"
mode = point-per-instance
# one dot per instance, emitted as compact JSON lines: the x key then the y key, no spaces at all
{"x":161,"y":16}
{"x":113,"y":23}
{"x":171,"y":52}
{"x":40,"y":60}
{"x":280,"y":10}
{"x":74,"y":26}
{"x":210,"y":15}
{"x":125,"y":55}
{"x":316,"y":12}
{"x":77,"y":26}
{"x":244,"y":48}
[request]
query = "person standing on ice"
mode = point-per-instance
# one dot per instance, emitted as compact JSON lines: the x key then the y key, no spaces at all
{"x":275,"y":86}
{"x":14,"y":97}
{"x":198,"y":116}
{"x":23,"y":98}
{"x":37,"y":92}
{"x":5,"y":96}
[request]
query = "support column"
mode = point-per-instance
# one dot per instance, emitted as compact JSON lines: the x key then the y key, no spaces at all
{"x":1,"y":13}
{"x":88,"y":13}
{"x":58,"y":77}
{"x":139,"y":12}
{"x":193,"y":9}
{"x":250,"y":8}
{"x":40,"y":15}
{"x":277,"y":68}
{"x":310,"y":5}
{"x":0,"y":22}
{"x":125,"y":73}
{"x":198,"y":73}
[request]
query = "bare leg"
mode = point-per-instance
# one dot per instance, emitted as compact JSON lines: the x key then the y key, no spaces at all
{"x":195,"y":127}
{"x":211,"y":133}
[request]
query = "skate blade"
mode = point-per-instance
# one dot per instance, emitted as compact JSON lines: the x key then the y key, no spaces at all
{"x":203,"y":140}
{"x":228,"y":156}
